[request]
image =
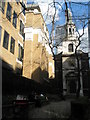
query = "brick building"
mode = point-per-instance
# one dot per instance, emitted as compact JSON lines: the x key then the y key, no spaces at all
{"x":22,"y":41}
{"x":35,"y":64}
{"x":12,"y":35}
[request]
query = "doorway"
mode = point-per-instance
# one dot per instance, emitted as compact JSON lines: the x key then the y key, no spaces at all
{"x":71,"y":82}
{"x":72,"y":86}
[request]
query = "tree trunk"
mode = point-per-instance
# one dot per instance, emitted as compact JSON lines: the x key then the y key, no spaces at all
{"x":78,"y":77}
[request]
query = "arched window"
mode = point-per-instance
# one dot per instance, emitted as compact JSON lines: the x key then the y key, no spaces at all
{"x":73,"y":30}
{"x":70,"y":47}
{"x":70,"y":31}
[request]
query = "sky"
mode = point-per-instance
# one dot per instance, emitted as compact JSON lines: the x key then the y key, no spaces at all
{"x":79,"y":9}
{"x":48,"y":10}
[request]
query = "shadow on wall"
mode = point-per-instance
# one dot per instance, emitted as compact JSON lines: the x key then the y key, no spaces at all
{"x":40,"y":75}
{"x":46,"y":85}
{"x":66,"y":72}
{"x":9,"y":67}
{"x":84,"y":70}
{"x":13,"y":83}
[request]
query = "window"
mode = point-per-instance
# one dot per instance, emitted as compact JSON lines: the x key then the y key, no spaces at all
{"x":66,"y":32}
{"x":70,"y":32}
{"x":20,"y":52}
{"x":12,"y":45}
{"x":2,"y":5}
{"x":70,"y":47}
{"x":73,"y":30}
{"x":21,"y":28}
{"x":6,"y":39}
{"x":14,"y":19}
{"x":8,"y":14}
{"x":17,"y":1}
{"x":23,"y":8}
{"x":0,"y":33}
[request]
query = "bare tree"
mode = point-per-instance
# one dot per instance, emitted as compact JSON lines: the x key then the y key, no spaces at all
{"x":84,"y":23}
{"x":51,"y":39}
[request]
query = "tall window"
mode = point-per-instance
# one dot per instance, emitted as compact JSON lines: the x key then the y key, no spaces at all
{"x":9,"y":10}
{"x":70,"y":47}
{"x":14,"y":19}
{"x":21,"y":28}
{"x":0,"y":33}
{"x":73,"y":30}
{"x":20,"y":52}
{"x":70,"y":32}
{"x":17,"y":1}
{"x":6,"y":39}
{"x":12,"y":45}
{"x":66,"y":31}
{"x":2,"y":6}
{"x":23,"y":8}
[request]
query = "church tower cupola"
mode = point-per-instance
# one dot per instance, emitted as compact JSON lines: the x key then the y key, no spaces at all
{"x":67,"y":36}
{"x":70,"y":26}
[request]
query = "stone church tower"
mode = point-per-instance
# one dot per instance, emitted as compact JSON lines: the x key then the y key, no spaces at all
{"x":68,"y":41}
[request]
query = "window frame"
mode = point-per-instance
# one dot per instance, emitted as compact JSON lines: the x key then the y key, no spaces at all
{"x":73,"y":30}
{"x":70,"y":47}
{"x":21,"y":28}
{"x":9,"y":12}
{"x":17,"y":1}
{"x":12,"y":46}
{"x":2,"y":5}
{"x":6,"y":40}
{"x":14,"y":19}
{"x":20,"y":52}
{"x":23,"y":8}
{"x":70,"y":31}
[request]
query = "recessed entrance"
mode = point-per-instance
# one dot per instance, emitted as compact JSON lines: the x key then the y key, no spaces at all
{"x":72,"y":86}
{"x":71,"y":81}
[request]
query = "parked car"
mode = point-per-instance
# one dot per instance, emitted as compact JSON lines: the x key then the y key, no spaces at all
{"x":20,"y":103}
{"x":39,"y":99}
{"x":21,"y":100}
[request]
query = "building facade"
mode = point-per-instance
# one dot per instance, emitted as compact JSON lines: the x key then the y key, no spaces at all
{"x":68,"y":41}
{"x":23,"y":33}
{"x":12,"y":35}
{"x":36,"y":56}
